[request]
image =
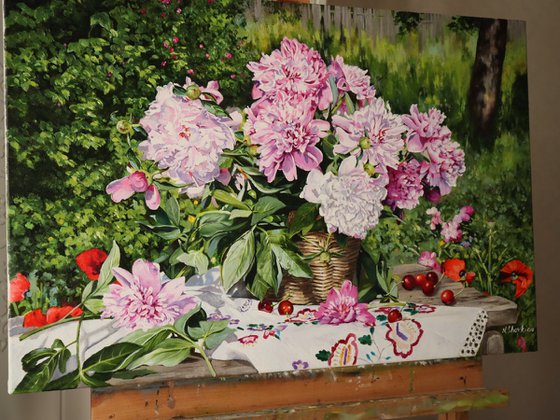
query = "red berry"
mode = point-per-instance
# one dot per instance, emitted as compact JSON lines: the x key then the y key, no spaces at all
{"x":428,"y":288}
{"x":408,"y":282}
{"x":394,"y":316}
{"x":285,"y":307}
{"x":432,"y":276}
{"x":448,"y":297}
{"x":420,"y":279}
{"x":265,"y":306}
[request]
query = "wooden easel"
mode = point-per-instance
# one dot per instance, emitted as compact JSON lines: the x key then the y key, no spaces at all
{"x":448,"y":389}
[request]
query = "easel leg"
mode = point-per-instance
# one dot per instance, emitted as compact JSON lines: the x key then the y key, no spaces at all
{"x":454,"y":415}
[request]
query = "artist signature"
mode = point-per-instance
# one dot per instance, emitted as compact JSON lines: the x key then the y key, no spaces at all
{"x":517,"y":329}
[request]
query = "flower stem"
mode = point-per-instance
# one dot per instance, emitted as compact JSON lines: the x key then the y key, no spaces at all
{"x":15,"y":308}
{"x":45,"y":327}
{"x":78,"y":330}
{"x":207,"y":360}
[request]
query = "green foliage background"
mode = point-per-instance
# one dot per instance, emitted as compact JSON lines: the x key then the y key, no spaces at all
{"x":75,"y":68}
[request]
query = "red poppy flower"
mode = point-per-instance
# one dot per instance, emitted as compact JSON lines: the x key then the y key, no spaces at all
{"x":454,"y":269}
{"x":90,"y":262}
{"x":470,"y":276}
{"x":18,"y":286}
{"x":35,"y":318}
{"x":56,"y":313}
{"x":519,"y":274}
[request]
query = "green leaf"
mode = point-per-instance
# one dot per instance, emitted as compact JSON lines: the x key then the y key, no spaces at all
{"x":37,"y":379}
{"x":171,"y":352}
{"x":131,"y":374}
{"x":94,"y":305}
{"x":304,"y":219}
{"x":230,"y":199}
{"x":182,"y":321}
{"x":207,"y":328}
{"x":63,"y":358}
{"x":266,"y":277}
{"x":196,"y":259}
{"x":239,"y":260}
{"x":112,"y":261}
{"x":102,"y":19}
{"x":334,"y":89}
{"x":214,"y":340}
{"x":35,"y":357}
{"x":172,"y":210}
{"x":69,"y":381}
{"x":215,"y":109}
{"x":292,"y":262}
{"x":109,"y":358}
{"x":323,"y":355}
{"x":365,"y":339}
{"x":266,"y":206}
{"x":96,"y":380}
{"x":349,"y":104}
{"x":237,"y":214}
{"x":179,"y":91}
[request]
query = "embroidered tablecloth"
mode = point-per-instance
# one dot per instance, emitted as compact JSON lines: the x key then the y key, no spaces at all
{"x":271,"y":342}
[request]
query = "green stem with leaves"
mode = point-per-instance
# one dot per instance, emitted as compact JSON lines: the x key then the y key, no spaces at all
{"x":15,"y":308}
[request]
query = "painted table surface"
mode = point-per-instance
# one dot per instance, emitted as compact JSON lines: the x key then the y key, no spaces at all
{"x":262,"y":339}
{"x":500,"y":310}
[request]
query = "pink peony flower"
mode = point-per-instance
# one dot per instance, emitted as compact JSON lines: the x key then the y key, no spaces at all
{"x":144,"y":298}
{"x":451,"y":232}
{"x":342,"y":306}
{"x":424,"y":128}
{"x":405,"y":185}
{"x":436,"y":217}
{"x":124,"y":188}
{"x":185,"y":139}
{"x":294,"y":69}
{"x":350,"y":202}
{"x":372,"y":132}
{"x":429,"y":259}
{"x":464,"y":215}
{"x":351,"y":79}
{"x":433,"y":195}
{"x":286,"y":134}
{"x":447,"y":164}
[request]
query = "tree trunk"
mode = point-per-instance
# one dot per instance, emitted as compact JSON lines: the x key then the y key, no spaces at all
{"x":486,"y":81}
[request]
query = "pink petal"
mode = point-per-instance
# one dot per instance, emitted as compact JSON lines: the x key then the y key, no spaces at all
{"x":152,"y":197}
{"x":123,"y":276}
{"x":224,"y":177}
{"x":138,"y":181}
{"x":120,"y":189}
{"x":147,"y":274}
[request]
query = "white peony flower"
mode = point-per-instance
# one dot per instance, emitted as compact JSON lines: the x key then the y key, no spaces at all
{"x":350,"y":202}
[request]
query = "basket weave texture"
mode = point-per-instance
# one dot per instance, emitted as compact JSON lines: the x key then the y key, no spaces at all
{"x":326,"y":274}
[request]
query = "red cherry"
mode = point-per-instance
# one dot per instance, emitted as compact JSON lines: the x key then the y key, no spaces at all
{"x":433,"y":277}
{"x":428,"y":288}
{"x":394,"y":316}
{"x":285,"y":307}
{"x":420,"y":279}
{"x":265,"y":306}
{"x":408,"y":282}
{"x":448,"y":297}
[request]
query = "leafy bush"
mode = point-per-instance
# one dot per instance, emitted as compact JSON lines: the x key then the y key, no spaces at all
{"x":73,"y":70}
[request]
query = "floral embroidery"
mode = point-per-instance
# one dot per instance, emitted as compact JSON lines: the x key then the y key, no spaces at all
{"x":248,"y":340}
{"x":259,"y":327}
{"x":404,"y":335}
{"x":218,"y":316}
{"x":299,"y":365}
{"x":274,"y":332}
{"x":304,"y":316}
{"x":344,"y":352}
{"x":245,"y":306}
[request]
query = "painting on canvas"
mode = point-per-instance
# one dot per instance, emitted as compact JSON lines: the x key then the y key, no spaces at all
{"x":226,"y":187}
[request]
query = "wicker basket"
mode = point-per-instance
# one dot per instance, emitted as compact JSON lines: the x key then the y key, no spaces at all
{"x":326,"y":274}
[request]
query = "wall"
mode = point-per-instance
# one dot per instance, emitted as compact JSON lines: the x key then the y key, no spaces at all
{"x":530,"y":378}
